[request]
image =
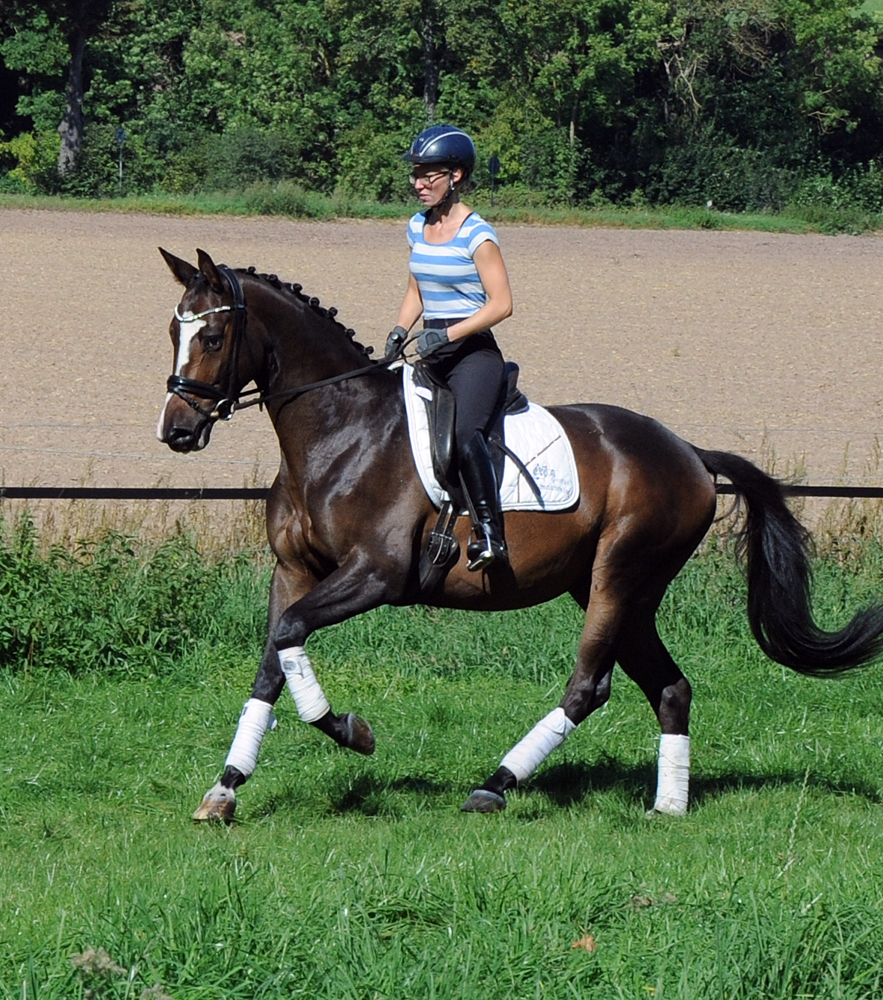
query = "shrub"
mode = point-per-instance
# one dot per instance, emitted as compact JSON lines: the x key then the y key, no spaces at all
{"x":370,"y":162}
{"x":714,"y":168}
{"x":111,"y":605}
{"x":35,"y":159}
{"x":245,"y":156}
{"x":285,"y":198}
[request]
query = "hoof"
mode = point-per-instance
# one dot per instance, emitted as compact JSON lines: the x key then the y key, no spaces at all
{"x":359,"y":735}
{"x":483,"y":801}
{"x":668,"y":807}
{"x":218,"y":805}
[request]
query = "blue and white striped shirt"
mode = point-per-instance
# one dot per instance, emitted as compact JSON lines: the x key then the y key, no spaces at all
{"x":445,"y":272}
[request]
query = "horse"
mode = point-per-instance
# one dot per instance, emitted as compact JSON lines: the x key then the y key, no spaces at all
{"x":347,"y":520}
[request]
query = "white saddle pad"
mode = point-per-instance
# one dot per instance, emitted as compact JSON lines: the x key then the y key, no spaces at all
{"x":535,"y":436}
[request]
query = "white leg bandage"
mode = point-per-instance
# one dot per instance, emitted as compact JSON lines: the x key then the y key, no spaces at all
{"x":547,"y":735}
{"x":256,"y":719}
{"x":672,"y":789}
{"x":308,"y":695}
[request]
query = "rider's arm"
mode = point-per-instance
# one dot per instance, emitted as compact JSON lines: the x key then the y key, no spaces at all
{"x":495,"y":279}
{"x":412,"y":305}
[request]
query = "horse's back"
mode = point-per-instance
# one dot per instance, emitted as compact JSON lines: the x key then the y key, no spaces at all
{"x":632,"y":466}
{"x":627,"y":430}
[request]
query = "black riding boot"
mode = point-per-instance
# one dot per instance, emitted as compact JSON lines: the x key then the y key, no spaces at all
{"x":480,"y":482}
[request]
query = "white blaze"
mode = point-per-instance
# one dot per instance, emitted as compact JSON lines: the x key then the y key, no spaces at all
{"x":188,"y":329}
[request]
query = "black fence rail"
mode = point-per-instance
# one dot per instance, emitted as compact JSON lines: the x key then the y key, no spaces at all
{"x":126,"y":493}
{"x":259,"y":493}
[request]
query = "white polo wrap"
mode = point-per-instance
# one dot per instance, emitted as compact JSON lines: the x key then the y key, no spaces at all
{"x":255,"y":720}
{"x":305,"y":689}
{"x":673,"y":787}
{"x":547,"y":735}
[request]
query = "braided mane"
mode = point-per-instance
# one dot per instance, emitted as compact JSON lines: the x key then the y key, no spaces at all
{"x":312,"y":302}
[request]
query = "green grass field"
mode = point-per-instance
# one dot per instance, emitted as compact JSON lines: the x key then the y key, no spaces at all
{"x":349,"y":877}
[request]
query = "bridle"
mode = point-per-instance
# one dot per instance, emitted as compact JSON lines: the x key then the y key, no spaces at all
{"x":224,"y":396}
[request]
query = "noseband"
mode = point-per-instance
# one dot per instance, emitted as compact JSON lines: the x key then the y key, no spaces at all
{"x":224,"y":396}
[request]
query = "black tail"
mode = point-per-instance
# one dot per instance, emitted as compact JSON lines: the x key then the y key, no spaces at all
{"x":775,"y":547}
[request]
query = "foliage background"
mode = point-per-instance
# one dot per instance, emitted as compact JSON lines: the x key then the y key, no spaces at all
{"x":747,"y":104}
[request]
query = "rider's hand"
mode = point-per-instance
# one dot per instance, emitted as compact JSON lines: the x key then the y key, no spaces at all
{"x":430,"y":340}
{"x":394,"y":342}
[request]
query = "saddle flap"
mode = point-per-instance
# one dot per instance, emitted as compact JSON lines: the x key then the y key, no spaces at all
{"x":441,"y":411}
{"x":537,"y":452}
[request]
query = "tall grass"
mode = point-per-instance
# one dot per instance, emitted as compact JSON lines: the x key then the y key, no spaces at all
{"x":121,"y":602}
{"x":349,"y":877}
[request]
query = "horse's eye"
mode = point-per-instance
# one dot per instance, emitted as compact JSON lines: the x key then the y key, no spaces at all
{"x":212,"y":342}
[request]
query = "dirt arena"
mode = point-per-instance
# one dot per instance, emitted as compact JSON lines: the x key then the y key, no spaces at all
{"x":767,"y":345}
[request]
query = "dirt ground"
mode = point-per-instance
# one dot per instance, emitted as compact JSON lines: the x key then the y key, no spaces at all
{"x":767,"y":345}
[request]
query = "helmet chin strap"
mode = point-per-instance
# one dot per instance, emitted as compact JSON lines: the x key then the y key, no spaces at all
{"x":445,"y":200}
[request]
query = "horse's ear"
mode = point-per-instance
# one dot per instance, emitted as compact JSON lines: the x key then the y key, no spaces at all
{"x":183,"y":271}
{"x":210,"y":270}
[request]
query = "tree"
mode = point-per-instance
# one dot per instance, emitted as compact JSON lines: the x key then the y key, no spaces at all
{"x":79,"y":19}
{"x":763,"y":93}
{"x":76,"y":21}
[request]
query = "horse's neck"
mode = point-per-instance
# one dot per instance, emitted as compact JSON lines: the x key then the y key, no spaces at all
{"x":356,"y":418}
{"x":301,"y":347}
{"x":298,"y":345}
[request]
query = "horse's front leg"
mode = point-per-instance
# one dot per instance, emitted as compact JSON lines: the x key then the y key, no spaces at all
{"x":347,"y":729}
{"x":342,"y":595}
{"x":256,"y":719}
{"x":291,"y":580}
{"x":351,"y":590}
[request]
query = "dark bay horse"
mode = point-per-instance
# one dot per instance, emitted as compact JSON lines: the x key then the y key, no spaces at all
{"x":348,"y":518}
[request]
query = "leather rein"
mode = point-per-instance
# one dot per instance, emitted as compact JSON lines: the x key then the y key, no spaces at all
{"x":226,"y":400}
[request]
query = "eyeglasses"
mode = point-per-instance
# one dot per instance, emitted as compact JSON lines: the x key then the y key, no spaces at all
{"x":428,"y":179}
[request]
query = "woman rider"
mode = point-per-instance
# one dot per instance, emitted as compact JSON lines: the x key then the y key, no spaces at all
{"x":459,"y":286}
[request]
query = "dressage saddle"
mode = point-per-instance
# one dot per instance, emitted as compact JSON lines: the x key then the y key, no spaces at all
{"x":441,"y":411}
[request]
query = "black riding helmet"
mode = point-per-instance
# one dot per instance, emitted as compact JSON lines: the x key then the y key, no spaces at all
{"x":443,"y":144}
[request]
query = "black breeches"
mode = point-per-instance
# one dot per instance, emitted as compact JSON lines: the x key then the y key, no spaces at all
{"x":474,"y":373}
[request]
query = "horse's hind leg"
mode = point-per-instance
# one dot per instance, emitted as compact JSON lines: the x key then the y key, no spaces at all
{"x":643,"y":656}
{"x":587,"y":690}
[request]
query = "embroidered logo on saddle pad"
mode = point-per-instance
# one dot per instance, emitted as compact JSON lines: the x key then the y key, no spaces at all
{"x":535,"y":436}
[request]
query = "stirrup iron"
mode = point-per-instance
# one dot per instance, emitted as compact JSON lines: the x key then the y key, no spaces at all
{"x":484,"y":550}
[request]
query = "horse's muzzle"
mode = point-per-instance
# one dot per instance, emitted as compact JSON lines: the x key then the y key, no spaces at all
{"x":182,"y":440}
{"x":182,"y":429}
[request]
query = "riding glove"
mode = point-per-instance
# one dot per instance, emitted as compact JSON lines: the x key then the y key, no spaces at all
{"x":394,"y":342}
{"x":430,"y":340}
